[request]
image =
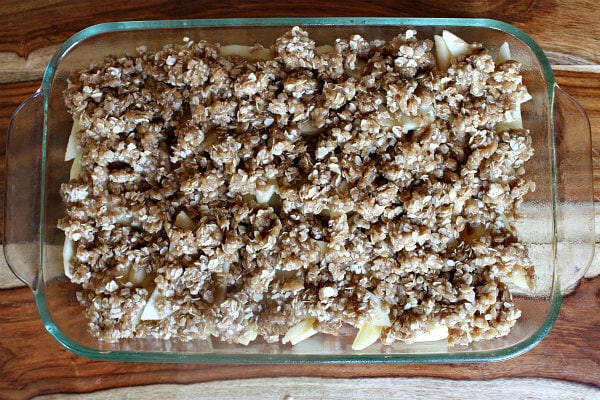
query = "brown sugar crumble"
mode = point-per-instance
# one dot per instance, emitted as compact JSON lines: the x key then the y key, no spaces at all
{"x":244,"y":194}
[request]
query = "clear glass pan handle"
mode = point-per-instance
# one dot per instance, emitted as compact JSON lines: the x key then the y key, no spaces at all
{"x":575,"y":236}
{"x":22,"y":198}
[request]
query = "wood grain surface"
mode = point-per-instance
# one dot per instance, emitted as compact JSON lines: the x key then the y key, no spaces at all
{"x":564,"y":365}
{"x":362,"y":389}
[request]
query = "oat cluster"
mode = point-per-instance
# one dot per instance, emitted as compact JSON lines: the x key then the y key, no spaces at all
{"x":391,"y":183}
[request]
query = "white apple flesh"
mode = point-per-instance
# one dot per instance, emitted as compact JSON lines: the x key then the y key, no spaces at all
{"x":137,"y":275}
{"x":366,"y":336}
{"x":75,"y":170}
{"x":380,"y":313}
{"x":150,"y":311}
{"x":71,"y":151}
{"x":515,"y":123}
{"x":438,"y":332}
{"x":301,"y":331}
{"x":519,"y":278}
{"x":264,"y":195}
{"x":68,"y":253}
{"x":503,"y":53}
{"x":248,"y":336}
{"x":248,"y":52}
{"x":442,"y":54}
{"x":457,"y":47}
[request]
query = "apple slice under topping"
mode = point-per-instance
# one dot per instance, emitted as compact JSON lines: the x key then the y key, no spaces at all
{"x":438,"y":332}
{"x":457,"y":47}
{"x":183,"y":221}
{"x":366,"y":336}
{"x":301,"y":331}
{"x":264,"y":195}
{"x":442,"y":54}
{"x":248,"y":336}
{"x":503,"y":53}
{"x":151,"y":312}
{"x":251,"y":53}
{"x":68,"y":253}
{"x":72,"y":147}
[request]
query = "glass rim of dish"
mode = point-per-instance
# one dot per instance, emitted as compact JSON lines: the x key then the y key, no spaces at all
{"x":291,"y":358}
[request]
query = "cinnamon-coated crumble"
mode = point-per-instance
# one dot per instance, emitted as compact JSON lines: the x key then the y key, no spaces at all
{"x":297,"y":187}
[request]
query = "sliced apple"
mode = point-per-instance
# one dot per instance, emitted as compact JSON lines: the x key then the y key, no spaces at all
{"x":250,"y":53}
{"x":366,"y":336}
{"x":248,"y":336}
{"x":75,"y":171}
{"x":301,"y":331}
{"x":68,"y":253}
{"x":457,"y":47}
{"x":516,"y":123}
{"x":334,"y":212}
{"x":220,"y":294}
{"x":137,"y":275}
{"x":324,"y":49}
{"x":183,"y":221}
{"x":438,"y":332}
{"x":264,"y":195}
{"x":369,"y":331}
{"x":519,"y":278}
{"x":442,"y":54}
{"x":151,"y":312}
{"x":380,"y":314}
{"x":408,"y":123}
{"x":503,"y":53}
{"x":307,"y":129}
{"x":71,"y":151}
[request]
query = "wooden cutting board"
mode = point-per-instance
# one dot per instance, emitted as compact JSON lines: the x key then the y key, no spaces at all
{"x":565,"y":365}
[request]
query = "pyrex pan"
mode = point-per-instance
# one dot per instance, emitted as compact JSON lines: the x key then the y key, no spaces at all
{"x":557,"y":219}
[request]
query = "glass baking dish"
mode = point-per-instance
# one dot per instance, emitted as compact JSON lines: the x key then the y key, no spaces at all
{"x":557,"y":224}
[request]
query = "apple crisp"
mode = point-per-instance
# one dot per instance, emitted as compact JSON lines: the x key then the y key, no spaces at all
{"x":273,"y":193}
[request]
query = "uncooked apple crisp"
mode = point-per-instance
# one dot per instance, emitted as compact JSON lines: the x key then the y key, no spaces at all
{"x":249,"y":192}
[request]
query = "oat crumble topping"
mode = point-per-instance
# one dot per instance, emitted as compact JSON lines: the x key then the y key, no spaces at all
{"x":326,"y":184}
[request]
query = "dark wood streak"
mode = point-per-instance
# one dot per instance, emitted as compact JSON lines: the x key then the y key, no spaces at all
{"x":33,"y":364}
{"x":35,"y":24}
